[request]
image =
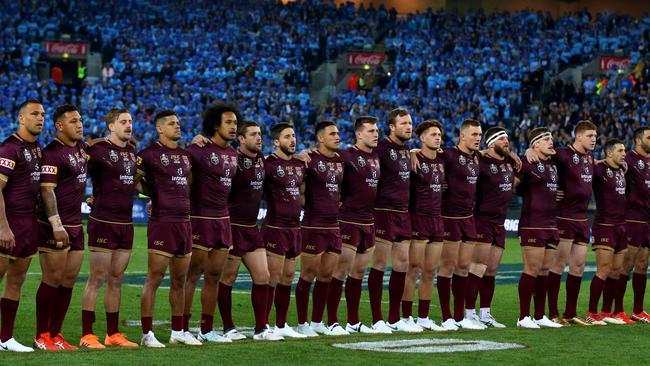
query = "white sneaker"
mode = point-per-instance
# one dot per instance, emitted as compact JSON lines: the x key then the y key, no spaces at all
{"x":381,"y":327}
{"x":212,"y":337}
{"x":12,"y":345}
{"x":234,"y":335}
{"x":403,"y":326}
{"x":429,"y":324}
{"x":267,"y":335}
{"x":337,"y":330}
{"x":450,"y":324}
{"x":411,"y":322}
{"x":614,"y":321}
{"x":306,"y":330}
{"x":180,"y":337}
{"x":489,"y":321}
{"x":471,"y":324}
{"x":527,"y":323}
{"x":319,"y":328}
{"x":149,"y":340}
{"x":358,"y":328}
{"x":474,"y":318}
{"x":287,"y":331}
{"x":547,"y":323}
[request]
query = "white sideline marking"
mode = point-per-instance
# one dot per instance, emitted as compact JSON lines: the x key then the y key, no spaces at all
{"x":444,"y":345}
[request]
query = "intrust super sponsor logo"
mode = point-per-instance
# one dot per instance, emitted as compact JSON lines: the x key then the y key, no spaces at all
{"x":444,"y":345}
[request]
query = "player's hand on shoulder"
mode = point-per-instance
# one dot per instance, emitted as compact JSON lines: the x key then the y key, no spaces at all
{"x":200,"y":140}
{"x":415,"y":162}
{"x":531,"y":156}
{"x":516,"y":159}
{"x":304,"y":156}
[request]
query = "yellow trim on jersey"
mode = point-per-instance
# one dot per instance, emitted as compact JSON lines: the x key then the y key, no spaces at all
{"x":92,"y":248}
{"x":52,"y":250}
{"x":270,"y":253}
{"x":202,"y":248}
{"x":160,"y":252}
{"x":603,"y":247}
{"x":379,"y":240}
{"x":457,"y":217}
{"x":53,"y":185}
{"x":10,"y":257}
{"x":319,"y":227}
{"x":419,"y":242}
{"x":356,"y":223}
{"x":538,"y":228}
{"x":209,"y":217}
{"x":391,"y":210}
{"x":4,"y":178}
{"x":110,"y":222}
{"x":350,"y":246}
{"x":242,"y":225}
{"x":280,"y":227}
{"x":568,"y":219}
{"x":636,"y":222}
{"x":311,"y":254}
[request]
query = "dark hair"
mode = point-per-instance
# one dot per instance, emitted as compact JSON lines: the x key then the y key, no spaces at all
{"x":278,"y":128}
{"x":63,"y":109}
{"x":469,"y":122}
{"x":611,"y":144}
{"x":397,"y":112}
{"x":113,"y":114}
{"x":359,"y":122}
{"x":26,"y":103}
{"x":322,"y":125}
{"x":212,"y":116}
{"x":242,"y":126}
{"x":536,"y":132}
{"x":583,"y":126}
{"x":638,"y":133}
{"x":492,"y":131}
{"x":162,"y":114}
{"x":425,"y":125}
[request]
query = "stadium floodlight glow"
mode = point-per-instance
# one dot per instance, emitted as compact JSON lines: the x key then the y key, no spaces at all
{"x":366,"y":67}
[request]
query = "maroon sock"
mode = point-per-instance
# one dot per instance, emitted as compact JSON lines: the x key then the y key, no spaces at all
{"x":572,"y":291}
{"x":177,"y":323}
{"x":87,"y":320}
{"x":486,"y":291}
{"x":423,"y":308}
{"x":333,"y":300}
{"x":319,"y":301}
{"x":638,"y":285}
{"x":553,"y":289}
{"x":407,"y":308}
{"x":8,"y":309}
{"x":619,"y":293}
{"x":147,"y":324}
{"x":302,"y":300}
{"x":44,"y":299}
{"x":224,"y":299}
{"x":595,"y":290}
{"x":375,"y":289}
{"x":270,"y":295}
{"x":473,"y":284}
{"x":458,"y":288}
{"x":258,"y":298}
{"x":282,"y":300}
{"x":608,"y":295}
{"x":186,"y":322}
{"x":540,"y":296}
{"x":444,"y":293}
{"x":59,"y":309}
{"x":112,"y":320}
{"x":352,"y":298}
{"x":526,"y":288}
{"x":395,"y":292}
{"x":207,"y":323}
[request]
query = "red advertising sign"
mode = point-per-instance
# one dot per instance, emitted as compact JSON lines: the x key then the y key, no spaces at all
{"x":366,"y":58}
{"x":618,"y":63}
{"x":74,"y":49}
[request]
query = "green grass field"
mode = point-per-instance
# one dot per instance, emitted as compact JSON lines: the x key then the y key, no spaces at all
{"x":603,"y":345}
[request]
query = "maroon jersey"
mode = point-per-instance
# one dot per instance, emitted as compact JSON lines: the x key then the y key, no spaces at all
{"x":426,"y":186}
{"x":64,"y":168}
{"x":360,"y":181}
{"x":322,"y":190}
{"x":575,"y":171}
{"x":20,"y":169}
{"x":112,"y":171}
{"x":609,"y":190}
{"x":539,"y":184}
{"x":213,"y":168}
{"x":166,"y":172}
{"x":393,"y":190}
{"x":494,"y":189}
{"x":461,"y":174}
{"x":638,"y":187}
{"x":282,"y":190}
{"x":244,"y":201}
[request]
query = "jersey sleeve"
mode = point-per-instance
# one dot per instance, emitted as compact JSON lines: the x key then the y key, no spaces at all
{"x":142,"y":164}
{"x":7,"y":162}
{"x":50,"y":165}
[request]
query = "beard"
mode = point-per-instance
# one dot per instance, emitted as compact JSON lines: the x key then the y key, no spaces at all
{"x":287,"y":150}
{"x":504,"y":153}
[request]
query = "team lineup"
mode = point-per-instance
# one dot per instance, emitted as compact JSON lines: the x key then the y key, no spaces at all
{"x":432,"y":213}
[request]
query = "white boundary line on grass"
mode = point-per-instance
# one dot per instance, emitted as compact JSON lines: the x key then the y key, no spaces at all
{"x":425,"y":345}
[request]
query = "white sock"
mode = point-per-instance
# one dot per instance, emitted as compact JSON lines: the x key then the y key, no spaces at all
{"x":485,"y":312}
{"x":470,"y":313}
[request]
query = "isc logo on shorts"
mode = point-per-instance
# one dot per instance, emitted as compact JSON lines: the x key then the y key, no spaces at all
{"x":346,"y":237}
{"x":604,"y":240}
{"x":271,"y":245}
{"x":102,"y":241}
{"x":532,"y":240}
{"x":159,"y":242}
{"x":381,"y":232}
{"x":196,"y":237}
{"x":310,"y":247}
{"x":6,"y":163}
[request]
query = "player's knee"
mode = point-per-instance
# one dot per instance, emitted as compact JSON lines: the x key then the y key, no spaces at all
{"x":428,"y":275}
{"x":97,"y":280}
{"x":415,"y":266}
{"x":154,"y":279}
{"x":212,"y":277}
{"x":261,"y":277}
{"x":380,"y":265}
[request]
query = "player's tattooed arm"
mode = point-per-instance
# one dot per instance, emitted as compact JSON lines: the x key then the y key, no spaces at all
{"x":51,"y":211}
{"x":7,"y":239}
{"x":141,"y":184}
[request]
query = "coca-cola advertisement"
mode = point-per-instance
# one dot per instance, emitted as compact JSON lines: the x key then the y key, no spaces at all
{"x":615,"y":63}
{"x":71,"y":49}
{"x":366,"y":58}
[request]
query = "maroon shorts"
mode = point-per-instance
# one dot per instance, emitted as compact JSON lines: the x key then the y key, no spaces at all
{"x":319,"y":240}
{"x":609,"y":237}
{"x":106,"y":236}
{"x":358,"y":236}
{"x":245,"y":239}
{"x":392,"y":226}
{"x":170,"y":239}
{"x":282,"y":241}
{"x":638,"y":234}
{"x":539,"y":238}
{"x":47,"y":243}
{"x":487,"y":232}
{"x":25,"y":230}
{"x":211,"y":233}
{"x":575,"y":230}
{"x":459,"y":229}
{"x":429,"y":228}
